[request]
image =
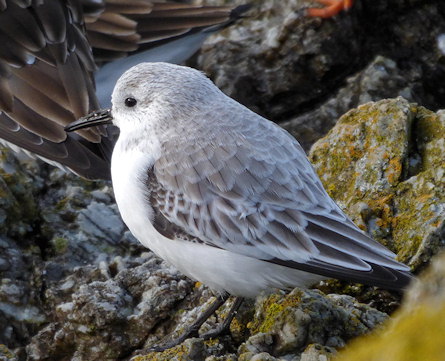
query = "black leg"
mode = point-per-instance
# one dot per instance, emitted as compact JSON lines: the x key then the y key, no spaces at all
{"x":224,"y":327}
{"x":194,"y":328}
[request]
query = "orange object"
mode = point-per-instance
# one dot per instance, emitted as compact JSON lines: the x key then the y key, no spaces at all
{"x":330,"y":9}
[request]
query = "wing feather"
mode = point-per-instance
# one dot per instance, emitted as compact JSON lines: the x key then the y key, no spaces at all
{"x":239,"y":195}
{"x":47,"y":65}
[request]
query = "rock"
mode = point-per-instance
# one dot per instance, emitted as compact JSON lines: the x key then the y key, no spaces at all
{"x":107,"y":315}
{"x":6,"y":354}
{"x":306,"y":72}
{"x":381,"y":78}
{"x":18,"y":186}
{"x":71,"y":274}
{"x":316,"y":352}
{"x":416,"y":332}
{"x":190,"y":350}
{"x":21,"y":313}
{"x":284,"y":325}
{"x":274,"y":61}
{"x":76,"y":285}
{"x":384,"y":165}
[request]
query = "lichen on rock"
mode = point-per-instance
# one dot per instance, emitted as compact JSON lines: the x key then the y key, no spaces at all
{"x":284,"y":325}
{"x":384,"y":164}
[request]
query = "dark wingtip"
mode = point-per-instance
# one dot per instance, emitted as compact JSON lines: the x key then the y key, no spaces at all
{"x":379,"y":276}
{"x":235,"y":15}
{"x":404,"y":279}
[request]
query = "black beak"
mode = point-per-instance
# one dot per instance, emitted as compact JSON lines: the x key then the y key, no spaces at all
{"x":97,"y":117}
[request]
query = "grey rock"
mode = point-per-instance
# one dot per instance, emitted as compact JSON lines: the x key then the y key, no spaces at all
{"x":384,"y":165}
{"x":108,"y":314}
{"x":284,"y":325}
{"x":76,"y":285}
{"x":317,"y":352}
{"x":381,"y":78}
{"x":305,"y":72}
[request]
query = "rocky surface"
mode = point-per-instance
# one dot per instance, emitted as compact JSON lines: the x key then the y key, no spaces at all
{"x":74,"y":282}
{"x":305,"y":72}
{"x":384,"y":164}
{"x":303,"y":323}
{"x":75,"y":285}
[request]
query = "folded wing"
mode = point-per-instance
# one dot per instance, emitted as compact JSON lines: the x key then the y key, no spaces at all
{"x":251,"y":190}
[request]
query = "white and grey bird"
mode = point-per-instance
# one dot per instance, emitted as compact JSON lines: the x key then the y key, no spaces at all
{"x":226,"y":196}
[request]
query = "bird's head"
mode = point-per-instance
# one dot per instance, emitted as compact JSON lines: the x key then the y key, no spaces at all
{"x":154,"y":96}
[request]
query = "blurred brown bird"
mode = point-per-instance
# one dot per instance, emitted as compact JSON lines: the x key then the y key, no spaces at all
{"x":50,"y":51}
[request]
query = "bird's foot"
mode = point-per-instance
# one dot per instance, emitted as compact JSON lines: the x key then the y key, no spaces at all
{"x":175,"y":342}
{"x":224,"y":328}
{"x":331,"y":8}
{"x":192,"y":331}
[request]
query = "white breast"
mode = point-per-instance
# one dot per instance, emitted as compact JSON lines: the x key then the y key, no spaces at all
{"x":128,"y":169}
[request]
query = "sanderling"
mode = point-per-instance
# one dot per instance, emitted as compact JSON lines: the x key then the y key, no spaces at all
{"x":226,"y":196}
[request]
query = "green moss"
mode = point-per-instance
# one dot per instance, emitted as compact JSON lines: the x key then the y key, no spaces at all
{"x":5,"y":353}
{"x":275,"y":308}
{"x":430,"y":129}
{"x":61,"y":205}
{"x":211,"y":342}
{"x":60,"y":244}
{"x":237,"y":327}
{"x":17,"y":203}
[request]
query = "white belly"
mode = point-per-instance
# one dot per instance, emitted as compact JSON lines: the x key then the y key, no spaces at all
{"x":219,"y":269}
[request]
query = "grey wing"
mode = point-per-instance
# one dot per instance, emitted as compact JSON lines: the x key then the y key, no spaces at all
{"x":257,"y":195}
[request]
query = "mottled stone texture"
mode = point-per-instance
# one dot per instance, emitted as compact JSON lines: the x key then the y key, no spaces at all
{"x":384,"y":164}
{"x":304,"y":324}
{"x":306,"y":72}
{"x":75,"y":285}
{"x":73,"y":282}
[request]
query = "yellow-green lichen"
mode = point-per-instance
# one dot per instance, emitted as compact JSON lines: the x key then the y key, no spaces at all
{"x":366,"y":162}
{"x":60,"y":244}
{"x":19,"y":210}
{"x":61,"y":204}
{"x":274,"y":308}
{"x":5,"y":353}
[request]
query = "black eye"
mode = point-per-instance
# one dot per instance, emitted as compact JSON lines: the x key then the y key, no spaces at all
{"x":130,"y":102}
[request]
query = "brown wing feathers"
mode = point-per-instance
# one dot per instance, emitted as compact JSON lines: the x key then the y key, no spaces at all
{"x":47,"y":65}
